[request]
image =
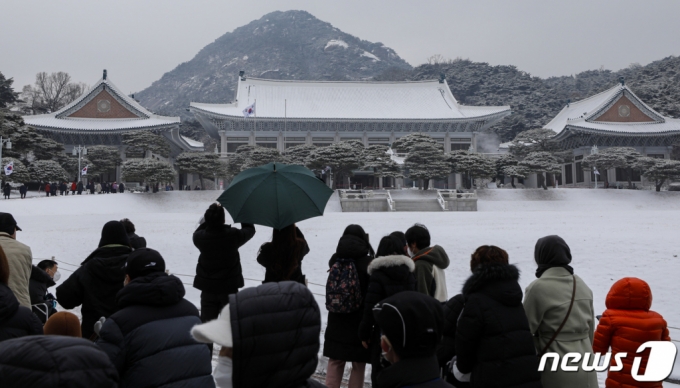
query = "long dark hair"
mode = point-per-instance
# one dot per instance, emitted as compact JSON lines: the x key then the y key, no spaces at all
{"x":287,"y":246}
{"x":389,"y":246}
{"x":214,"y":216}
{"x":4,"y":268}
{"x":358,"y":231}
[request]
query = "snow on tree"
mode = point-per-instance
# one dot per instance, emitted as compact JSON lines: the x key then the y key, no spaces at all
{"x":146,"y":140}
{"x":260,"y":156}
{"x":27,"y":143}
{"x":105,"y":159}
{"x":205,"y":164}
{"x":20,"y":174}
{"x":621,"y":157}
{"x":147,"y":170}
{"x":661,"y":170}
{"x":7,"y":93}
{"x":342,"y":157}
{"x":605,"y":160}
{"x":405,"y":144}
{"x":47,"y":171}
{"x":474,"y":165}
{"x":70,"y":165}
{"x":375,"y":158}
{"x":541,"y":162}
{"x":533,"y":140}
{"x":427,"y":161}
{"x":502,"y":163}
{"x":513,"y":172}
{"x":299,"y":154}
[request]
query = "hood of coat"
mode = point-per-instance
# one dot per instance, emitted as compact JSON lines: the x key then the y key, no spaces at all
{"x":156,"y":289}
{"x":41,"y":276}
{"x":630,"y":294}
{"x":384,"y":262}
{"x":8,"y":303}
{"x":351,"y":247}
{"x":106,"y":263}
{"x":497,"y":281}
{"x":435,"y":255}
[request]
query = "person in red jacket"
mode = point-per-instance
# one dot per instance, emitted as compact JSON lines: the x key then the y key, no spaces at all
{"x":627,"y":323}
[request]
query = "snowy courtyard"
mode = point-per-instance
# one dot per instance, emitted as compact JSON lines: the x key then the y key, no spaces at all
{"x":612,"y":234}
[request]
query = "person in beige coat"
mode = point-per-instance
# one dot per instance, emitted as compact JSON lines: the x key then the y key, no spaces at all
{"x":546,"y":302}
{"x":19,"y":258}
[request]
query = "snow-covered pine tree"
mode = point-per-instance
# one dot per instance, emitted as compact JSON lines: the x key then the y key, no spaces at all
{"x":630,"y":157}
{"x":474,"y":165}
{"x":20,"y":174}
{"x":661,"y":170}
{"x":105,"y":158}
{"x":427,"y":161}
{"x":405,"y":144}
{"x":146,"y":140}
{"x":147,"y":170}
{"x":201,"y":163}
{"x":299,"y":154}
{"x":260,"y":156}
{"x":47,"y":171}
{"x":342,"y":157}
{"x":375,"y":158}
{"x":541,"y":162}
{"x":533,"y":140}
{"x":513,"y":172}
{"x":504,"y":162}
{"x":603,"y":161}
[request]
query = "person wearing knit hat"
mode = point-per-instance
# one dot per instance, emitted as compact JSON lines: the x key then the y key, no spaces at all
{"x":411,"y":324}
{"x":63,"y":323}
{"x":101,"y":275}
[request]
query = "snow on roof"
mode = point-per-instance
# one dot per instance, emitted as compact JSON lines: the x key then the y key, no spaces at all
{"x":192,"y":142}
{"x":60,"y":119}
{"x":423,"y":100}
{"x":583,"y":114}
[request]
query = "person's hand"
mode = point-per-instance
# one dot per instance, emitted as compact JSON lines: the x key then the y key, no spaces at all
{"x":365,"y":344}
{"x":98,"y":325}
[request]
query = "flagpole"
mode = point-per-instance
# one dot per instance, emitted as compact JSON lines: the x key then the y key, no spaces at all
{"x":255,"y":113}
{"x":285,"y":122}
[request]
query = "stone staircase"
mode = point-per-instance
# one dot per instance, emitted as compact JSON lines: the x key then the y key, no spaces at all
{"x":417,"y":205}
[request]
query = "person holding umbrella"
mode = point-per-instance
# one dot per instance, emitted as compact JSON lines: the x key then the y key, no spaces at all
{"x":282,"y":257}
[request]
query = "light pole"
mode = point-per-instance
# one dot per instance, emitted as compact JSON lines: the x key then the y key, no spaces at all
{"x":594,"y":151}
{"x":80,"y":151}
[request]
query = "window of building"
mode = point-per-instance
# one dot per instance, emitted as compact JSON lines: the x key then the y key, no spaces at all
{"x":323,"y":139}
{"x":579,"y":172}
{"x":460,"y":146}
{"x":238,"y":139}
{"x":266,"y":145}
{"x":622,"y":175}
{"x":232,"y":147}
{"x":321,"y":144}
{"x":266,"y":139}
{"x":656,"y":156}
{"x":568,"y":174}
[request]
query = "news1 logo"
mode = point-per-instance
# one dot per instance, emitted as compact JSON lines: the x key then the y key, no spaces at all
{"x":659,"y":365}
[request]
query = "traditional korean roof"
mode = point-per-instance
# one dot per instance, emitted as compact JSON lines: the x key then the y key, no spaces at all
{"x":103,"y":108}
{"x":616,"y":111}
{"x":342,"y":100}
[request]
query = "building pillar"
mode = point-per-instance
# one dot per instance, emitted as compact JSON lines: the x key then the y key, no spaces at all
{"x":458,"y":180}
{"x":380,"y":182}
{"x":119,"y":168}
{"x":451,"y":181}
{"x":447,"y":142}
{"x":223,"y":144}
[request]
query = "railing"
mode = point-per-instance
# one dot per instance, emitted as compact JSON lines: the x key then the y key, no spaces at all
{"x":441,"y":201}
{"x":456,"y":194}
{"x":356,"y":194}
{"x":390,"y":202}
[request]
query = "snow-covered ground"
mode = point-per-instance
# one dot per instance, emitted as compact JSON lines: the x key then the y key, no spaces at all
{"x":612,"y":234}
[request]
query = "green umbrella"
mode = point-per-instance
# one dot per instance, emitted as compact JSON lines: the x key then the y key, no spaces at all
{"x":275,"y":195}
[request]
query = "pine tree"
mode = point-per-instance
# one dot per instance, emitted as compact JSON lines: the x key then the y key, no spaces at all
{"x":427,"y":161}
{"x":146,"y":140}
{"x":342,"y":157}
{"x":540,"y":163}
{"x":405,"y":144}
{"x":299,"y":154}
{"x":20,"y":173}
{"x":104,"y":159}
{"x":260,"y":156}
{"x":7,"y":93}
{"x":630,"y":159}
{"x":27,"y":143}
{"x":375,"y":158}
{"x":605,"y":160}
{"x":661,"y":170}
{"x":533,"y":140}
{"x":201,"y":163}
{"x":474,"y":165}
{"x":503,"y":165}
{"x":47,"y":171}
{"x":147,"y":170}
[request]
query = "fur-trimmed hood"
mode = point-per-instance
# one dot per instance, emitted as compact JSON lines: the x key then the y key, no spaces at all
{"x":497,"y":281}
{"x":391,"y":261}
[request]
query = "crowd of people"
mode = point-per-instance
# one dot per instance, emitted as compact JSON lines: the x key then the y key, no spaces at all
{"x":94,"y":187}
{"x":387,"y":307}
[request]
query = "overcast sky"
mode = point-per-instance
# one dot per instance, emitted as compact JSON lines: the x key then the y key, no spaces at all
{"x":139,"y":40}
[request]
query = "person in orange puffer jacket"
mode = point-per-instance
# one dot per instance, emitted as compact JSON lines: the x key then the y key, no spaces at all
{"x":627,"y":323}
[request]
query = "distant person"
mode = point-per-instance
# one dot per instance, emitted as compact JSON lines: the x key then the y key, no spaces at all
{"x":391,"y":272}
{"x":63,"y":188}
{"x":136,"y":241}
{"x":493,"y":343}
{"x":95,"y":284}
{"x":54,"y":187}
{"x":6,"y":190}
{"x":114,"y":188}
{"x":345,"y":295}
{"x":15,"y":320}
{"x":79,"y":187}
{"x":19,"y":257}
{"x":48,"y":189}
{"x":197,"y":187}
{"x":55,"y":361}
{"x":546,"y":302}
{"x":148,"y":338}
{"x":411,"y":327}
{"x":431,"y":261}
{"x":121,"y":187}
{"x":63,"y":323}
{"x":43,"y":276}
{"x":282,"y":257}
{"x":628,"y":323}
{"x":74,"y":187}
{"x":258,"y":350}
{"x":23,"y":189}
{"x":218,"y":272}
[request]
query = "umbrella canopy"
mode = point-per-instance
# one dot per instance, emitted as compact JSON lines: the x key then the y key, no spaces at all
{"x":275,"y":195}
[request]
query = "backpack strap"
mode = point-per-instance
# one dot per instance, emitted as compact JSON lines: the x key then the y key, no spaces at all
{"x":566,"y":317}
{"x":422,"y":254}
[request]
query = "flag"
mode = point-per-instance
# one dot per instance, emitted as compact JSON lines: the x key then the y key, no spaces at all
{"x":595,"y":171}
{"x":249,"y":111}
{"x":84,"y":172}
{"x":9,"y":168}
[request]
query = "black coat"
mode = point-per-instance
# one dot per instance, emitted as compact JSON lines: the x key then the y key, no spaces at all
{"x":219,"y":264}
{"x":447,"y":349}
{"x":341,"y":340}
{"x":15,"y":320}
{"x":55,"y":361}
{"x":268,"y":256}
{"x":148,"y":339}
{"x":412,"y":372}
{"x":95,"y":285}
{"x":276,"y":336}
{"x":136,"y":242}
{"x":38,"y":284}
{"x":493,"y":340}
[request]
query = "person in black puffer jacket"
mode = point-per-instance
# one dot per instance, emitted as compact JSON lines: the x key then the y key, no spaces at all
{"x":447,"y":350}
{"x":148,"y":339}
{"x":342,"y":343}
{"x":282,"y":257}
{"x":269,"y":336}
{"x":136,"y":241}
{"x":218,"y":272}
{"x":15,"y":320}
{"x":391,"y":272}
{"x":493,"y":341}
{"x":95,"y":284}
{"x":42,"y":303}
{"x":52,"y":361}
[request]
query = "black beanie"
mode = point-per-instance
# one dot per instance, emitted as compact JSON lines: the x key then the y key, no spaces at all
{"x":144,"y":261}
{"x":412,"y":321}
{"x":114,"y":233}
